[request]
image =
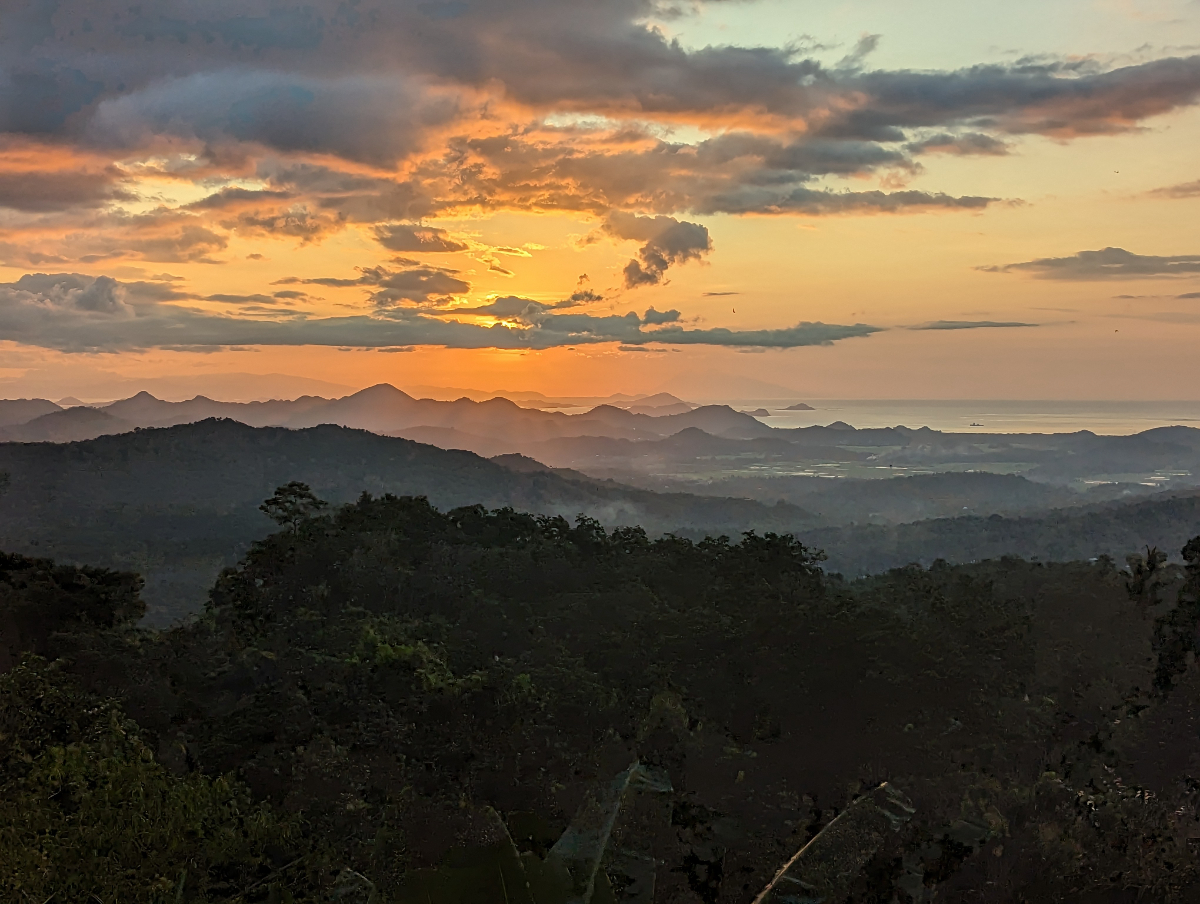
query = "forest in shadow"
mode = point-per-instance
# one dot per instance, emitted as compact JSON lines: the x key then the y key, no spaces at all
{"x":386,"y":702}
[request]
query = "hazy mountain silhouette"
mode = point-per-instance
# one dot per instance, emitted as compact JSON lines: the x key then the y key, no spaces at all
{"x":21,"y":411}
{"x":1116,"y":529}
{"x":179,"y":503}
{"x":67,"y":425}
{"x":388,"y":410}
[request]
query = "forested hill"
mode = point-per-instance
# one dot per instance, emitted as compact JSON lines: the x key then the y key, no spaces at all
{"x":387,"y":704}
{"x":177,"y":504}
{"x":1115,"y":529}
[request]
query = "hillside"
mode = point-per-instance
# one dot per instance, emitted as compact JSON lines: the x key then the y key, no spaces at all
{"x":179,"y":503}
{"x":21,"y":411}
{"x":1114,"y":529}
{"x":66,"y":426}
{"x":388,"y":704}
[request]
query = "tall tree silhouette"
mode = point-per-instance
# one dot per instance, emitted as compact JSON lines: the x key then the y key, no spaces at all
{"x":292,"y":505}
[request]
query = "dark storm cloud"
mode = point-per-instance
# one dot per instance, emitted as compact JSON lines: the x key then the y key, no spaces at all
{"x":409,"y":237}
{"x":70,"y":312}
{"x":1107,"y":263}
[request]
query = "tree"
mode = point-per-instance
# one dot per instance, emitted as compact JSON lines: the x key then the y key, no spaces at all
{"x":292,"y":505}
{"x":1146,"y":576}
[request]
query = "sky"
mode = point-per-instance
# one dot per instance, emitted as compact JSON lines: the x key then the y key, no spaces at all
{"x":871,"y":199}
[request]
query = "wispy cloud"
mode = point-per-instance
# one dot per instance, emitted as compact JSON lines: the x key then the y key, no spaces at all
{"x":1107,"y":263}
{"x":70,"y":312}
{"x":1179,"y":191}
{"x":969,"y":325}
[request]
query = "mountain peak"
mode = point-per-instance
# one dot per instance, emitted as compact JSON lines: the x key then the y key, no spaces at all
{"x":380,"y":391}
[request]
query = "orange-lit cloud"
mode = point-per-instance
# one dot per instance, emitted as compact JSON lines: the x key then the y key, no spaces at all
{"x":197,"y":133}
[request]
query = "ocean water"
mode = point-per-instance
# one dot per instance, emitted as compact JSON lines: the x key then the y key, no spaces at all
{"x":972,"y":416}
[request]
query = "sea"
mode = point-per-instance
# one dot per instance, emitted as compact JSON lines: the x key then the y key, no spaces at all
{"x":974,"y":416}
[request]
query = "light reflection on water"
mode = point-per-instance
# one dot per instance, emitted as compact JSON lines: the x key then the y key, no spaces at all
{"x":1003,"y":416}
{"x":961,"y":416}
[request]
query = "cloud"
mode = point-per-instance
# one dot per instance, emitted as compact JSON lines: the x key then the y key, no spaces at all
{"x":161,"y":235}
{"x":659,"y":317}
{"x":257,"y":299}
{"x":410,"y":238}
{"x":300,"y":74}
{"x":53,"y":190}
{"x":968,"y":324}
{"x":1107,"y":263}
{"x":667,"y":241}
{"x":802,"y":334}
{"x":1164,"y":316}
{"x":378,"y":118}
{"x":239,"y":197}
{"x":414,"y":284}
{"x":1067,"y":98}
{"x":296,"y":222}
{"x":1182,"y":190}
{"x":963,"y":145}
{"x":297,"y":118}
{"x":507,"y":307}
{"x":70,"y":312}
{"x":818,"y":202}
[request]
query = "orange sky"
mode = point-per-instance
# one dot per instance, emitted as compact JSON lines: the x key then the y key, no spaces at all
{"x":619,"y":197}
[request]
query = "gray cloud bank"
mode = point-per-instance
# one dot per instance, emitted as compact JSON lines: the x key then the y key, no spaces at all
{"x":1107,"y":263}
{"x":75,"y":313}
{"x":384,"y":81}
{"x":301,"y":118}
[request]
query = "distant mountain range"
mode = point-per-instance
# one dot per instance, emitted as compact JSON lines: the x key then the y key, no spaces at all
{"x":179,"y":503}
{"x":381,"y":409}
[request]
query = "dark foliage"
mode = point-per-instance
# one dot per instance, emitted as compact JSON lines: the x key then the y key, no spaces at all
{"x":179,"y":504}
{"x":387,"y":678}
{"x":39,"y":599}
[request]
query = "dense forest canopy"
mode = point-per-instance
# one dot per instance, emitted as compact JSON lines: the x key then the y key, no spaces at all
{"x":390,"y":703}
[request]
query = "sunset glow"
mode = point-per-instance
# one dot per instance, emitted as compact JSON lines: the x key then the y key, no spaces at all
{"x":840,"y":199}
